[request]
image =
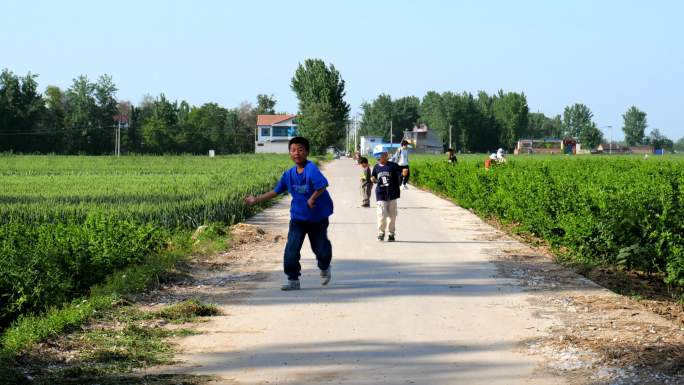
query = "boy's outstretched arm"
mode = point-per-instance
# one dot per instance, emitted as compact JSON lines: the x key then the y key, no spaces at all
{"x":251,"y":200}
{"x":312,"y":200}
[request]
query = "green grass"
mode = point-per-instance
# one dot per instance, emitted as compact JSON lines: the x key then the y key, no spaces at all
{"x":187,"y":311}
{"x":123,"y":338}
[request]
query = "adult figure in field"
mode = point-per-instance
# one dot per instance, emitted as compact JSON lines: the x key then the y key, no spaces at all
{"x":401,"y":158}
{"x":309,"y":211}
{"x":451,"y":156}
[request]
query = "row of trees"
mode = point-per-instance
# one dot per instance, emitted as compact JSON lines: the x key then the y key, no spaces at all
{"x":485,"y":122}
{"x":81,"y":120}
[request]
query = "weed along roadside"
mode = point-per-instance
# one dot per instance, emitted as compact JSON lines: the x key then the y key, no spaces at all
{"x":102,"y":337}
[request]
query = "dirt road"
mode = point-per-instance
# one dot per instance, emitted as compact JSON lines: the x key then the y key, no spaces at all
{"x":430,"y":308}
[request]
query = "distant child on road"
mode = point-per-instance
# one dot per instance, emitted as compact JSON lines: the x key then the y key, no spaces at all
{"x":401,"y":157}
{"x":366,"y":184}
{"x":386,"y":175}
{"x":309,"y":211}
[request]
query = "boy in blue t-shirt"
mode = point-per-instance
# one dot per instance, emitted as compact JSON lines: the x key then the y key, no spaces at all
{"x":311,"y":206}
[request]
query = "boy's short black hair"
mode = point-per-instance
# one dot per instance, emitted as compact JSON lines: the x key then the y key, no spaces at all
{"x":363,"y":160}
{"x":404,"y":142}
{"x":450,"y":150}
{"x":299,"y":140}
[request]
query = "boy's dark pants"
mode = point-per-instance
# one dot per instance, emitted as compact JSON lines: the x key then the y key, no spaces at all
{"x":405,"y":179}
{"x":366,"y":189}
{"x":320,"y":244}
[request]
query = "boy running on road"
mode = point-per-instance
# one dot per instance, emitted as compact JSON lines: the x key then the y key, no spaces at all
{"x":309,"y":211}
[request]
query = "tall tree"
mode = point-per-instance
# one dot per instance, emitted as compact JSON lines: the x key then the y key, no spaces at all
{"x":634,"y":126}
{"x":22,"y":110}
{"x":55,"y":102}
{"x":659,"y":141}
{"x":577,"y":124}
{"x":160,"y":131}
{"x":404,"y":115}
{"x":319,"y":126}
{"x":265,"y":104}
{"x":591,"y":136}
{"x":80,"y":112}
{"x":541,"y":126}
{"x":244,"y":133}
{"x":433,"y":114}
{"x":679,"y":145}
{"x":316,"y":85}
{"x":377,"y":116}
{"x":106,"y":108}
{"x":510,"y":110}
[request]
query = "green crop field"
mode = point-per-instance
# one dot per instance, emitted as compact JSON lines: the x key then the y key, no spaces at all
{"x":624,"y":211}
{"x":66,"y":223}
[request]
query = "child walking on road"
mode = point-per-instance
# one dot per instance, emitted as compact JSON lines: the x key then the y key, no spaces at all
{"x":386,"y":175}
{"x":401,"y":157}
{"x":309,"y":211}
{"x":366,"y":184}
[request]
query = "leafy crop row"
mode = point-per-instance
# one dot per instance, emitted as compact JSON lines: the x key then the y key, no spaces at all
{"x":66,"y":223}
{"x":621,"y":211}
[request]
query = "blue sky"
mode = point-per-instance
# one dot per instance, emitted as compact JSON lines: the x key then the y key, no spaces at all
{"x":606,"y":54}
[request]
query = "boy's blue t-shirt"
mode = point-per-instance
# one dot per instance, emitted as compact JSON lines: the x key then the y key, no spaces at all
{"x":301,"y":187}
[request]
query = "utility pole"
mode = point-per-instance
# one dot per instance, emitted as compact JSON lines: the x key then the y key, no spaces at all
{"x":357,"y":139}
{"x":391,"y":136}
{"x":117,"y":133}
{"x":610,"y":146}
{"x":450,"y":146}
{"x":346,"y":144}
{"x":118,"y":139}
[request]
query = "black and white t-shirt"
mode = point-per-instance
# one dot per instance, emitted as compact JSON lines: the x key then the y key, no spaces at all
{"x":387,"y":177}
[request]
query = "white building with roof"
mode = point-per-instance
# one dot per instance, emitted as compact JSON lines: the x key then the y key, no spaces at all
{"x":273,"y":133}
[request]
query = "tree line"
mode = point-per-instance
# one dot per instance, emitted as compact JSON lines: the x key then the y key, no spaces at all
{"x":82,"y":120}
{"x":483,"y":122}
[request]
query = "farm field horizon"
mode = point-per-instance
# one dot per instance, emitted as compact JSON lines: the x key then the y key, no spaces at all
{"x":575,"y":202}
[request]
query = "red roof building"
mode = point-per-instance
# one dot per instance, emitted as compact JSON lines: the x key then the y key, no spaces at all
{"x":274,"y":132}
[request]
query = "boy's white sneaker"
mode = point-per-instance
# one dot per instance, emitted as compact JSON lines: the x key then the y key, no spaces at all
{"x":326,"y":276}
{"x":291,"y":284}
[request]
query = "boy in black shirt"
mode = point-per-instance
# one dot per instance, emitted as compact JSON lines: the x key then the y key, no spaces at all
{"x":386,"y":175}
{"x":366,"y":184}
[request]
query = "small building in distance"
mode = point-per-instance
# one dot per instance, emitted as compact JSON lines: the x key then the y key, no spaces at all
{"x":424,"y":141}
{"x":644,"y":149}
{"x":273,"y":133}
{"x":539,"y":146}
{"x":608,"y":148}
{"x":367,"y":143}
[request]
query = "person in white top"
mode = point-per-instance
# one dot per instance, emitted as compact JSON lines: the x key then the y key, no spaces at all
{"x":401,"y":157}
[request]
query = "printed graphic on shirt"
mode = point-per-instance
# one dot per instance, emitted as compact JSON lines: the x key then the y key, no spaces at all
{"x":301,"y":189}
{"x":384,"y":179}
